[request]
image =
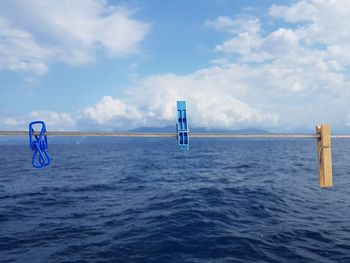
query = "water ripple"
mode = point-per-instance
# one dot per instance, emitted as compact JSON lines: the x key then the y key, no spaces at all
{"x":136,"y":200}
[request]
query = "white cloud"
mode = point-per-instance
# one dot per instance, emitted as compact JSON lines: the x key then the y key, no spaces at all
{"x":281,"y":41}
{"x":35,"y":33}
{"x":348,"y":120}
{"x":19,"y":51}
{"x":235,"y":26}
{"x":55,"y":120}
{"x":294,"y":76}
{"x":8,"y":123}
{"x":211,"y":95}
{"x":111,"y":112}
{"x":311,"y":55}
{"x":294,"y":70}
{"x":220,"y":61}
{"x":322,"y":25}
{"x":301,"y":11}
{"x":253,"y":47}
{"x":243,"y":44}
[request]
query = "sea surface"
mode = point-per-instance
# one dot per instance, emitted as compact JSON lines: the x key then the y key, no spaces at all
{"x":144,"y":200}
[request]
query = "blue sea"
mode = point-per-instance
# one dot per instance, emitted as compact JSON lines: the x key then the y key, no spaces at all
{"x":144,"y":200}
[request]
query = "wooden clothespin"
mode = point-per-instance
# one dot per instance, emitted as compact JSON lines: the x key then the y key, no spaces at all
{"x":324,"y":155}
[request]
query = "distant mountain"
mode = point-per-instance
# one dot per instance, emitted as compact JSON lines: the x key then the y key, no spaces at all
{"x":172,"y":128}
{"x":238,"y":131}
{"x":168,"y":128}
{"x":82,"y":140}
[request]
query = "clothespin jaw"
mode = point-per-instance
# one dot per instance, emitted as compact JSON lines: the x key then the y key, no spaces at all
{"x":324,"y":155}
{"x":39,"y":145}
{"x":182,"y":126}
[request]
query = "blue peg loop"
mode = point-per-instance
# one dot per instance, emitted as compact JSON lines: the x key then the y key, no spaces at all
{"x":182,"y":126}
{"x":39,"y":145}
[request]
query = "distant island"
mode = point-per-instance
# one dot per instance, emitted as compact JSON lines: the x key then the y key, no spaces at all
{"x":166,"y":129}
{"x":172,"y":128}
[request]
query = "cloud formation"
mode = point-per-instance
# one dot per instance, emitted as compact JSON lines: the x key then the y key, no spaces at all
{"x":56,"y":120}
{"x":279,"y":79}
{"x":110,"y":112}
{"x":59,"y":121}
{"x":209,"y":93}
{"x":35,"y":33}
{"x":304,"y":63}
{"x":234,"y":26}
{"x":290,"y":77}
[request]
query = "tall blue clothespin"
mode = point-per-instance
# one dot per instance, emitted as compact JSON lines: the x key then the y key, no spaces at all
{"x":182,"y":126}
{"x":38,"y":144}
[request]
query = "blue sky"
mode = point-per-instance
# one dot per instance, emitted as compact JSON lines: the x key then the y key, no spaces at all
{"x":118,"y":65}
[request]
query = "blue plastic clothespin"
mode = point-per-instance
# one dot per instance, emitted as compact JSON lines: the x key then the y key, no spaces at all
{"x":182,"y":126}
{"x":39,"y":145}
